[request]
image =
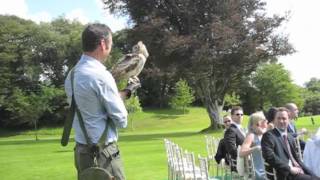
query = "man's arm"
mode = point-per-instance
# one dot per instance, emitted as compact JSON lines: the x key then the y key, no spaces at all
{"x":220,"y":152}
{"x":111,"y":100}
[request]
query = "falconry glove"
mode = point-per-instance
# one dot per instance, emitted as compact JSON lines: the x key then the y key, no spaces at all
{"x":132,"y":86}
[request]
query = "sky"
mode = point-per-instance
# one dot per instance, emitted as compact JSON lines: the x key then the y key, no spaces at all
{"x":303,"y":27}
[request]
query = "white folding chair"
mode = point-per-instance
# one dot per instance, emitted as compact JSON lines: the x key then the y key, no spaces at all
{"x":249,"y":168}
{"x":212,"y":144}
{"x":204,"y":169}
{"x":270,"y":172}
{"x":191,"y":170}
{"x":210,"y":147}
{"x":170,"y":158}
{"x":298,"y":148}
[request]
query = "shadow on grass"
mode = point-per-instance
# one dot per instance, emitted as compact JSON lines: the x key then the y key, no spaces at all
{"x":123,"y":138}
{"x":165,"y":117}
{"x":9,"y":133}
{"x":63,"y":151}
{"x":168,"y":111}
{"x":166,"y":114}
{"x":29,"y":141}
{"x":151,"y":137}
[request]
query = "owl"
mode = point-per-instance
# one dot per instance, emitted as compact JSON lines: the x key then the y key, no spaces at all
{"x":130,"y":66}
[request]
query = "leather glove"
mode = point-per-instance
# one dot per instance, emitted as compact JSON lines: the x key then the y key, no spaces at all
{"x":132,"y":86}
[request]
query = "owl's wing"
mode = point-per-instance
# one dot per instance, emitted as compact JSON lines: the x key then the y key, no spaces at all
{"x":126,"y":67}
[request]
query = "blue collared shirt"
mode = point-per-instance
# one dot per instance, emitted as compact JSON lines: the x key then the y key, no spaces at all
{"x":97,"y":97}
{"x":291,"y":126}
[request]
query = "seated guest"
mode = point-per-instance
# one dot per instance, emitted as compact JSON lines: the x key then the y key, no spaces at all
{"x":310,"y":154}
{"x":221,"y":151}
{"x":234,"y":135}
{"x":293,"y":115}
{"x":270,"y":117}
{"x":278,"y":150}
{"x":257,"y":125}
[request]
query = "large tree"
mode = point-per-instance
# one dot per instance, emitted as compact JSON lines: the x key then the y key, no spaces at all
{"x":213,"y":43}
{"x":274,"y":87}
{"x":33,"y":61}
{"x":312,"y":96}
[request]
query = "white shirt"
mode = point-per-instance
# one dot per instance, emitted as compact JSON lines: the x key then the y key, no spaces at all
{"x":311,"y":156}
{"x":243,"y":131}
{"x":97,"y":97}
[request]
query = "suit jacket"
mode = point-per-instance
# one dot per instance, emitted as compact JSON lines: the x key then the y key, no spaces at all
{"x":276,"y":154}
{"x":232,"y":139}
{"x":293,"y":132}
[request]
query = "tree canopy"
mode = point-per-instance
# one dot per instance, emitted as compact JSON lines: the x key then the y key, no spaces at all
{"x":211,"y":43}
{"x":34,"y":59}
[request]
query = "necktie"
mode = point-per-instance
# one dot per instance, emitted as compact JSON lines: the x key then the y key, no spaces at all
{"x":294,"y":162}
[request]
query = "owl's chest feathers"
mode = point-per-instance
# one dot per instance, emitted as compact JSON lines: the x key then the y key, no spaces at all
{"x":135,"y":70}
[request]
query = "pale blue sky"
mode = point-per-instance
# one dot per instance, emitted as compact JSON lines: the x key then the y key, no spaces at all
{"x":303,"y":27}
{"x":46,"y":10}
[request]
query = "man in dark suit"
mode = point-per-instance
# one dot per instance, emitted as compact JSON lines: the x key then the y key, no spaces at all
{"x":293,"y":115}
{"x":234,"y":135}
{"x":278,"y":151}
{"x":221,"y":151}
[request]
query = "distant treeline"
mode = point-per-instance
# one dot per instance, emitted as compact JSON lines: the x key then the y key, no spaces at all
{"x":35,"y":58}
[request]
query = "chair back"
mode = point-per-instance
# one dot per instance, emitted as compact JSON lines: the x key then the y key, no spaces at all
{"x":298,"y":148}
{"x":203,"y":165}
{"x":210,"y":147}
{"x":270,"y":172}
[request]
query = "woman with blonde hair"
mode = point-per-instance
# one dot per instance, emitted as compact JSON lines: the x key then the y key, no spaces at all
{"x":257,"y":125}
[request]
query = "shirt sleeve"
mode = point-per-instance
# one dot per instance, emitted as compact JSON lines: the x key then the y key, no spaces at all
{"x":112,"y":101}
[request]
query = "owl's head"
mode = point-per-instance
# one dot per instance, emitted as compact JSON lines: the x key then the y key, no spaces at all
{"x":140,"y":48}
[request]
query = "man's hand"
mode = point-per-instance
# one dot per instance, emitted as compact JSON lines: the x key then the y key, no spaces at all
{"x":296,"y":170}
{"x":304,"y":131}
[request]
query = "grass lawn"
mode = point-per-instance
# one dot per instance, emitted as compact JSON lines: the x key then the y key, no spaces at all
{"x":142,"y":148}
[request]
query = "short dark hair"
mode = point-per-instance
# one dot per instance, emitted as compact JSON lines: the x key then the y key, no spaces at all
{"x":92,"y":35}
{"x":271,"y":114}
{"x":235,"y":108}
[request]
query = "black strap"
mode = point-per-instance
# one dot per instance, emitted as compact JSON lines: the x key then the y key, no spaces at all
{"x":68,"y":124}
{"x":81,"y":122}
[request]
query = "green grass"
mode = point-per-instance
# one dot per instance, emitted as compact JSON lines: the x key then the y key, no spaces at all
{"x":142,"y":148}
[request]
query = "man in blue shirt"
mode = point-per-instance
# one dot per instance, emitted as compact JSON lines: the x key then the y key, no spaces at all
{"x":99,"y":102}
{"x":293,"y":115}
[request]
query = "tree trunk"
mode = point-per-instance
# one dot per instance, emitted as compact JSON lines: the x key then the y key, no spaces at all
{"x":213,"y":105}
{"x":36,"y":130}
{"x":214,"y":111}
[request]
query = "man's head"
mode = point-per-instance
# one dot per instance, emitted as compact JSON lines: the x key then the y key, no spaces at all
{"x":237,"y":114}
{"x":97,"y":40}
{"x":270,"y":115}
{"x":227,"y":121}
{"x":293,"y":110}
{"x":282,"y":118}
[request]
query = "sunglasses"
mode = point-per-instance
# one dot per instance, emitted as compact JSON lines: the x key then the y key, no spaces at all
{"x":238,"y":114}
